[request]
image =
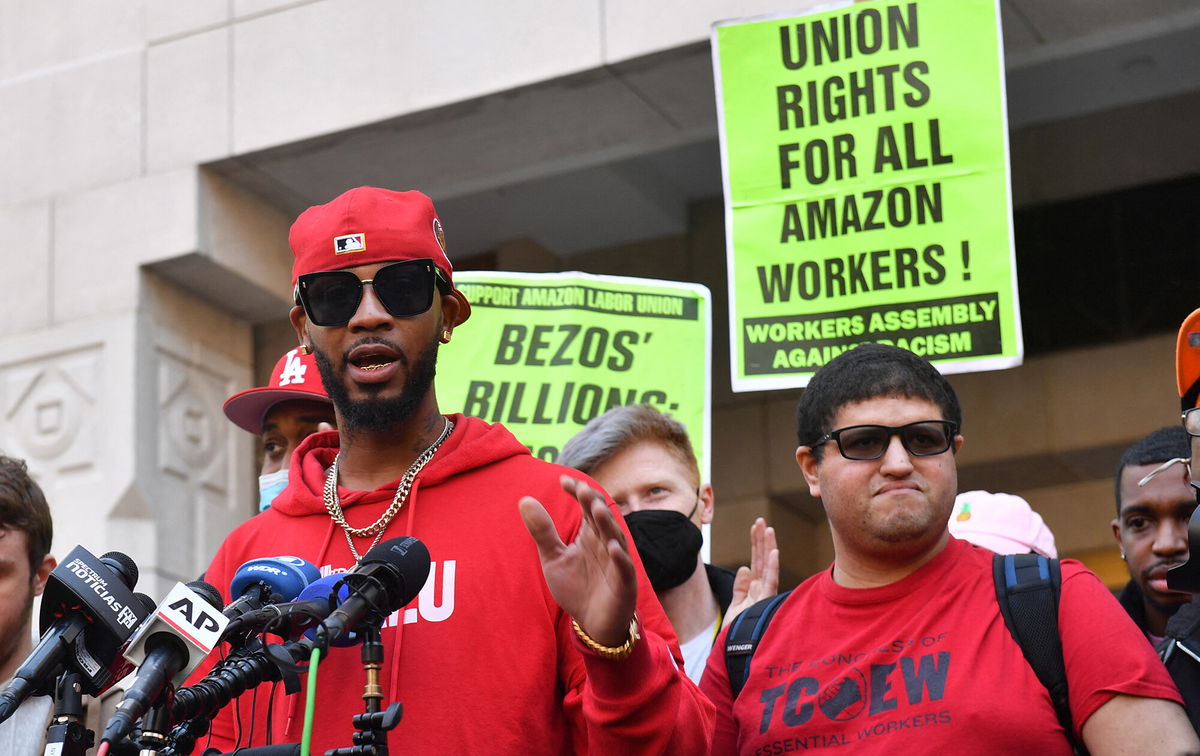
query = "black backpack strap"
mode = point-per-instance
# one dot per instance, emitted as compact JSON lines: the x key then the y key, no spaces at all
{"x":742,"y":639}
{"x":1027,"y":589}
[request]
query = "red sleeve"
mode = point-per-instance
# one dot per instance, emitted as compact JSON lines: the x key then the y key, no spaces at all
{"x":715,"y":685}
{"x":1104,"y":651}
{"x":644,"y":703}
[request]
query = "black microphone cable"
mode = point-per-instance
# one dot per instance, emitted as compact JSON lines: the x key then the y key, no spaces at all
{"x":196,"y":705}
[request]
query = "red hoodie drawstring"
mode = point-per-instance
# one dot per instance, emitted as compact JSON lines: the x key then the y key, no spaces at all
{"x":398,"y":630}
{"x":294,"y":700}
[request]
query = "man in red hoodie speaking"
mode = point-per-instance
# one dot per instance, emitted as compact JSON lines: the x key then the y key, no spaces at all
{"x":516,"y":644}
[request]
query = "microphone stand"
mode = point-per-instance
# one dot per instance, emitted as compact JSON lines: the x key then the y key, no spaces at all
{"x":372,"y":726}
{"x":156,"y":724}
{"x":66,"y":735}
{"x":372,"y":661}
{"x":195,"y":706}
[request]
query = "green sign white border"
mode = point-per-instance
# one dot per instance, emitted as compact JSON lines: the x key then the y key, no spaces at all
{"x":800,"y":380}
{"x":699,"y":290}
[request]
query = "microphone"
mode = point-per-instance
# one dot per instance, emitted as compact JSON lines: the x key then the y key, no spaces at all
{"x":183,"y":629}
{"x":88,"y":611}
{"x":388,"y":577}
{"x":241,"y":671}
{"x":265,"y":581}
{"x":277,"y":749}
{"x":293,"y":618}
{"x":333,"y":591}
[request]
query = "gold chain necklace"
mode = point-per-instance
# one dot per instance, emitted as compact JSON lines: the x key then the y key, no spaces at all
{"x":334,"y":506}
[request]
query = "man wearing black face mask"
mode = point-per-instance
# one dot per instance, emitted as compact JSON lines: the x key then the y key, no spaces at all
{"x":645,"y":461}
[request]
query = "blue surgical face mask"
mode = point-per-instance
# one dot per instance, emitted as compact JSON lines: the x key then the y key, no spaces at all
{"x":270,"y":486}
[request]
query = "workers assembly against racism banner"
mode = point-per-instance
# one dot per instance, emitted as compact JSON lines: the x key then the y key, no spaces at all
{"x":865,"y":159}
{"x":550,"y":351}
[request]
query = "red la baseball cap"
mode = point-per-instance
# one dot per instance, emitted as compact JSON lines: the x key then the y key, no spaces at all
{"x":1187,"y":361}
{"x":370,"y":225}
{"x":295,"y":377}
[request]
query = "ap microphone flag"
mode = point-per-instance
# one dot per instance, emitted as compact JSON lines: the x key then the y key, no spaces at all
{"x":188,"y":616}
{"x":184,"y":628}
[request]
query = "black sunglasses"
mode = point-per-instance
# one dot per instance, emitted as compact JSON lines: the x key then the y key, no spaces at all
{"x":921,"y":439}
{"x":331,"y":297}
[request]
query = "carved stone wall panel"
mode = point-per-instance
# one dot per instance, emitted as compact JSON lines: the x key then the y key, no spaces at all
{"x":48,"y":407}
{"x":195,"y":468}
{"x":65,"y":408}
{"x":192,"y":458}
{"x":192,"y":428}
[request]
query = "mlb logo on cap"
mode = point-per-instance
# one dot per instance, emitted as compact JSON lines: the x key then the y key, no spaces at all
{"x":349,"y":243}
{"x":403,"y":226}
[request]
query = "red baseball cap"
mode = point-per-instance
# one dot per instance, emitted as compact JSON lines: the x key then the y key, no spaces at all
{"x":295,"y":377}
{"x":369,"y":225}
{"x":1187,"y":361}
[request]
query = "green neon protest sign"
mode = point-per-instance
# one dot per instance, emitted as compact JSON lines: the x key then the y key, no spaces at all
{"x":543,"y":353}
{"x":865,"y":158}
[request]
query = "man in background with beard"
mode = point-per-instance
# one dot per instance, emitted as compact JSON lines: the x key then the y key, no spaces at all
{"x":25,"y":563}
{"x":644,"y":460}
{"x":516,"y":645}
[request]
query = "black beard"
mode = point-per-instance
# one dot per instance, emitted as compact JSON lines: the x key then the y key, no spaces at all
{"x":375,"y":414}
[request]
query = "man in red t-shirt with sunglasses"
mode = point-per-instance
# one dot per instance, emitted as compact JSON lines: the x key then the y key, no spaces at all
{"x":900,"y":647}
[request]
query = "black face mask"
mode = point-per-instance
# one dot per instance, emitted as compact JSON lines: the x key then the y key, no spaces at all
{"x":668,"y":543}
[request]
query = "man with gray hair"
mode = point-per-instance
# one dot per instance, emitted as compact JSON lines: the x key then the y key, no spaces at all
{"x":644,"y":459}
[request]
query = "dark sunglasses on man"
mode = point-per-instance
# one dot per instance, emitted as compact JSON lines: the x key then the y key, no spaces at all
{"x":865,"y":442}
{"x":331,"y":297}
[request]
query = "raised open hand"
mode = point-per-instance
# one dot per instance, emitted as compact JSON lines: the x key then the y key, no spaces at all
{"x":761,"y":579}
{"x":592,"y":578}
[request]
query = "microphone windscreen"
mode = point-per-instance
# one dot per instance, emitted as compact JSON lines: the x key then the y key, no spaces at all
{"x":148,"y":603}
{"x":123,"y":566}
{"x":286,"y":576}
{"x":407,"y":562}
{"x":208,"y":593}
{"x":323,"y":589}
